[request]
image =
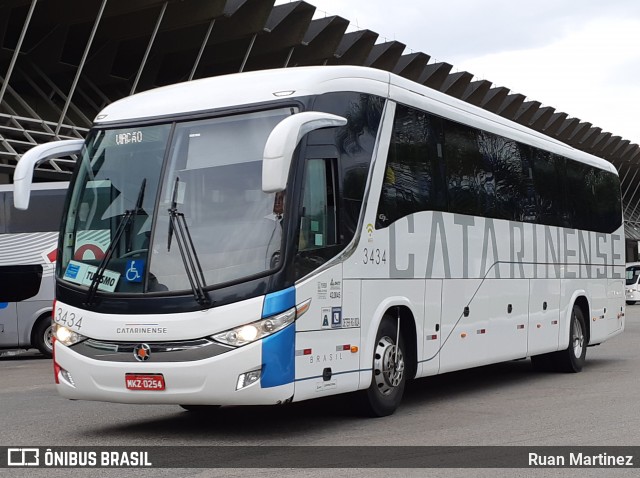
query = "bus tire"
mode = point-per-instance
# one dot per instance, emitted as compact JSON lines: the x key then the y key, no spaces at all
{"x":384,"y":395}
{"x":42,"y":336}
{"x":201,"y":409}
{"x":571,"y":360}
{"x":631,"y":302}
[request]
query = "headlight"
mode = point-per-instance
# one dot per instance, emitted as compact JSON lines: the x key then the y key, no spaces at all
{"x":66,"y":336}
{"x":245,"y":334}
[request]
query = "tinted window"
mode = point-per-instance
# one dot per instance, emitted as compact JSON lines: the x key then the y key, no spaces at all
{"x":470,"y":181}
{"x":413,"y":179}
{"x":492,"y":176}
{"x":19,"y":282}
{"x":355,"y":143}
{"x":44,"y":213}
{"x":607,"y":205}
{"x":509,"y":161}
{"x":578,"y":189}
{"x":548,"y":173}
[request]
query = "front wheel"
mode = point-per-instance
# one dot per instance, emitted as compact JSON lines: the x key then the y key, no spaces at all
{"x":572,"y":359}
{"x":384,"y":395}
{"x":43,"y":336}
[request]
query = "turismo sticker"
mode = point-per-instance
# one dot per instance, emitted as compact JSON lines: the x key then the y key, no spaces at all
{"x":82,"y":274}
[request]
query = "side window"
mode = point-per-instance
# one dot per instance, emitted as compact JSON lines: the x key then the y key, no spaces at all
{"x":580,"y":199}
{"x":319,"y":217}
{"x":413,"y":179}
{"x":44,"y":213}
{"x":355,"y":143}
{"x":509,"y":162}
{"x":319,"y":235}
{"x":470,"y":179}
{"x":607,"y":206}
{"x":19,"y":283}
{"x":548,"y":173}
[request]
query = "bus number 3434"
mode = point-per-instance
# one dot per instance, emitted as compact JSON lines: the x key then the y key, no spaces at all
{"x":68,"y":319}
{"x":374,"y":256}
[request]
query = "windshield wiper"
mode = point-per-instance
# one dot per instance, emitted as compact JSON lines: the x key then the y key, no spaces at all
{"x":178,"y":224}
{"x":127,"y":218}
{"x":135,"y":213}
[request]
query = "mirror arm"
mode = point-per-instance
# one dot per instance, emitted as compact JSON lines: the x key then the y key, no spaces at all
{"x":284,"y":139}
{"x":23,"y":175}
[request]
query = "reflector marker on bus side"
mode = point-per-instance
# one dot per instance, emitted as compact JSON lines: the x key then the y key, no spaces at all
{"x":554,"y":322}
{"x":300,"y":353}
{"x":482,"y":331}
{"x":538,"y":326}
{"x":432,"y":337}
{"x":463,"y":335}
{"x":342,"y":348}
{"x":520,"y":326}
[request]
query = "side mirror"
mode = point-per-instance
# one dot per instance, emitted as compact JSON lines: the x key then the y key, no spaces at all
{"x":23,"y":176}
{"x":282,"y":142}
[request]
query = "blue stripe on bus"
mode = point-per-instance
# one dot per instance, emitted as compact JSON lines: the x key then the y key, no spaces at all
{"x":278,"y":358}
{"x":4,"y":305}
{"x":279,"y":302}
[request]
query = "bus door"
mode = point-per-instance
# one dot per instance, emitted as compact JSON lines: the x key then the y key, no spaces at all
{"x":328,"y":335}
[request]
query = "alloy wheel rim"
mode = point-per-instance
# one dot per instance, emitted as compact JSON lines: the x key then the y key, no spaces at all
{"x":48,"y":338}
{"x":388,"y":366}
{"x":578,"y":337}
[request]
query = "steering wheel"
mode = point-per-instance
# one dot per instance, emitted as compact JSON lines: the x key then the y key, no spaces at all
{"x":133,"y":253}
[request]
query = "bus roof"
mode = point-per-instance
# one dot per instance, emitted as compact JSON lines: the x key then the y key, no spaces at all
{"x":239,"y":89}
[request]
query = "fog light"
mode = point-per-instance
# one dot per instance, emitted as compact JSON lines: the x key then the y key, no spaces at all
{"x":246,"y":379}
{"x":67,"y":377}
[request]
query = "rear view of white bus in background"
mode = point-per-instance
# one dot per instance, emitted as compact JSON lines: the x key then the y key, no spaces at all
{"x":28,"y":244}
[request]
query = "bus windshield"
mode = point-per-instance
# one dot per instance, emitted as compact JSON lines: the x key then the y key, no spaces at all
{"x":125,"y":197}
{"x":632,"y":275}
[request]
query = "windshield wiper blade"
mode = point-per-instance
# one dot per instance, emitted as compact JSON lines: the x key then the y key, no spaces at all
{"x":174,"y":206}
{"x":192,"y":266}
{"x":127,"y":218}
{"x":135,"y":212}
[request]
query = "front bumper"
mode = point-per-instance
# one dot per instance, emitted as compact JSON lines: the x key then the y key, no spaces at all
{"x":632,"y":295}
{"x":211,"y":381}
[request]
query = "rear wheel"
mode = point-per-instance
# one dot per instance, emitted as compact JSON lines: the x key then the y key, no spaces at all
{"x":571,"y":360}
{"x":384,"y":395}
{"x":43,"y":335}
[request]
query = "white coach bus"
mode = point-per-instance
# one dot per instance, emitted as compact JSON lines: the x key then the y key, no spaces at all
{"x":283,"y":235}
{"x":28,"y":245}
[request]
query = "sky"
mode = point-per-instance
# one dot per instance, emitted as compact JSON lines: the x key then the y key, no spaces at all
{"x":581,"y":57}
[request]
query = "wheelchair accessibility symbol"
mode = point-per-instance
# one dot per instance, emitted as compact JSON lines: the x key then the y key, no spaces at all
{"x":135,"y":270}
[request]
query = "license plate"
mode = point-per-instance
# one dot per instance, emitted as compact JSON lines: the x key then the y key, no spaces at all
{"x":135,"y":381}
